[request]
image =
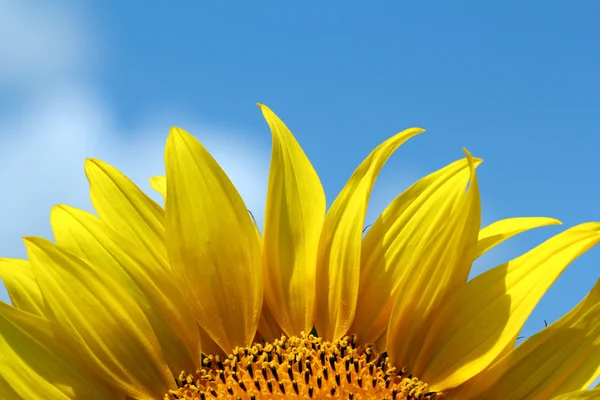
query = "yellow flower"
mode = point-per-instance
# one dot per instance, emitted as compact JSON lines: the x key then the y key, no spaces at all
{"x":122,"y":303}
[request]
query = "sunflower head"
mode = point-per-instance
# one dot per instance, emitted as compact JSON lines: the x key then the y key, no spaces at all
{"x":190,"y":300}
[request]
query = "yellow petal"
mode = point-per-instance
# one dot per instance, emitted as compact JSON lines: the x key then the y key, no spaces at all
{"x":21,"y":285}
{"x":440,"y":246}
{"x":561,"y":358}
{"x":384,"y":258}
{"x":126,"y":209}
{"x":476,"y":326}
{"x":150,"y":285}
{"x":499,"y":231}
{"x":109,"y":331}
{"x":81,"y":233}
{"x":293,"y":220}
{"x":212,"y":244}
{"x":268,"y":328}
{"x":580,"y":395}
{"x":6,"y":391}
{"x":159,"y":183}
{"x":36,"y":365}
{"x":208,"y":346}
{"x":338,"y":265}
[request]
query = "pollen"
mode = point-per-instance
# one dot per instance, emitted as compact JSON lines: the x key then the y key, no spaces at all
{"x":301,"y":367}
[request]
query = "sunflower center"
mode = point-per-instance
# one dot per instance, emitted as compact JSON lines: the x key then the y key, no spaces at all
{"x":300,"y":367}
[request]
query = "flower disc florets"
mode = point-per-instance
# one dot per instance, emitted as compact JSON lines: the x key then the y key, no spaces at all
{"x":300,"y":367}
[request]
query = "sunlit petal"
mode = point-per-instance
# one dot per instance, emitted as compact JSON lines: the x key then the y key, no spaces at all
{"x":159,"y":183}
{"x":385,"y":259}
{"x":440,"y":248}
{"x":477,"y":325}
{"x":113,"y":335}
{"x":293,"y":220}
{"x":212,"y":242}
{"x":338,"y":265}
{"x":36,"y":364}
{"x":21,"y":285}
{"x":125,"y":208}
{"x":149,"y":284}
{"x":561,"y":358}
{"x":499,"y":231}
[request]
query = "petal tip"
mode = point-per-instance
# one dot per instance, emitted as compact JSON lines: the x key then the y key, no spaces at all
{"x":554,"y":221}
{"x":268,"y":114}
{"x":89,"y":161}
{"x":93,"y":163}
{"x":33,"y":242}
{"x":57,"y":208}
{"x":178,"y":134}
{"x":412,"y":131}
{"x":473,"y":161}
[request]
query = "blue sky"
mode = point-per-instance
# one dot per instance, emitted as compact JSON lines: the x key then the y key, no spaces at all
{"x":516,"y":84}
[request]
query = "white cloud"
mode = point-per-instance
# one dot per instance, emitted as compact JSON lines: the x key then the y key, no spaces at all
{"x":43,"y":43}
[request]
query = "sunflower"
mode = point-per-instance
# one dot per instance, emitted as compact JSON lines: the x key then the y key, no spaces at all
{"x":191,"y":301}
